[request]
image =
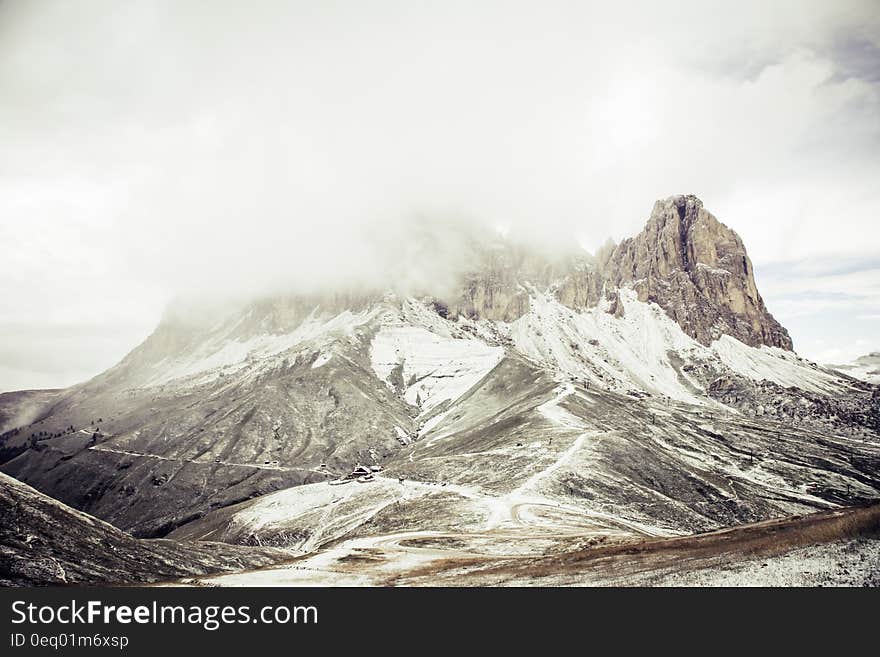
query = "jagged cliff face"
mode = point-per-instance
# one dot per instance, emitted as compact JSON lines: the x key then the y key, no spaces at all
{"x":698,"y":271}
{"x":685,"y":261}
{"x":498,"y":285}
{"x":492,"y":290}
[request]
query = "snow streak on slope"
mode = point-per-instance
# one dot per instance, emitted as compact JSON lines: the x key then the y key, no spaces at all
{"x":646,"y":350}
{"x":620,"y":353}
{"x":221,"y":351}
{"x":773,"y":364}
{"x":330,"y":511}
{"x":432,"y":368}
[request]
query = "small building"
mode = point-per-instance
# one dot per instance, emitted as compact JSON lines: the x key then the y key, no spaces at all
{"x":359,"y":471}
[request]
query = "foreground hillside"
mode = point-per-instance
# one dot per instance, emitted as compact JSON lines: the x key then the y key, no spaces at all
{"x":831,"y":548}
{"x":44,"y":542}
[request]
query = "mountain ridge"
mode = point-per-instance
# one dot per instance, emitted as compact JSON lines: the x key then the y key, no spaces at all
{"x":485,"y":390}
{"x":684,"y":260}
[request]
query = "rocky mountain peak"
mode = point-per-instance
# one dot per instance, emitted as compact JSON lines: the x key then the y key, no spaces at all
{"x":696,"y":269}
{"x":684,"y":260}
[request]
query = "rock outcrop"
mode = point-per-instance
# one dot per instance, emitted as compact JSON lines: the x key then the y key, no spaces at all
{"x":698,"y":271}
{"x":498,"y":285}
{"x":684,"y":260}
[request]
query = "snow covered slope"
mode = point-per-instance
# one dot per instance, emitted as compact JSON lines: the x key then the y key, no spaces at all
{"x":223,"y":352}
{"x":431,"y":360}
{"x":774,"y":364}
{"x":639,"y":351}
{"x":429,"y":368}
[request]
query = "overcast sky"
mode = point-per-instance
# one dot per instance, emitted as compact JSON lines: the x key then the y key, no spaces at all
{"x":151,"y":149}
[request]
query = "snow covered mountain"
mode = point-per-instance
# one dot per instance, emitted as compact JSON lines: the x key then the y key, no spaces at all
{"x":645,"y":391}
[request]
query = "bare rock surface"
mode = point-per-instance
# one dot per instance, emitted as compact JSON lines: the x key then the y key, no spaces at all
{"x":698,"y":271}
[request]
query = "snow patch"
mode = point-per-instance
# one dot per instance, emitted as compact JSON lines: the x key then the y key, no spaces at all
{"x":321,"y":360}
{"x":430,"y":368}
{"x":402,"y":436}
{"x":773,"y":364}
{"x":221,"y":352}
{"x":621,"y":353}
